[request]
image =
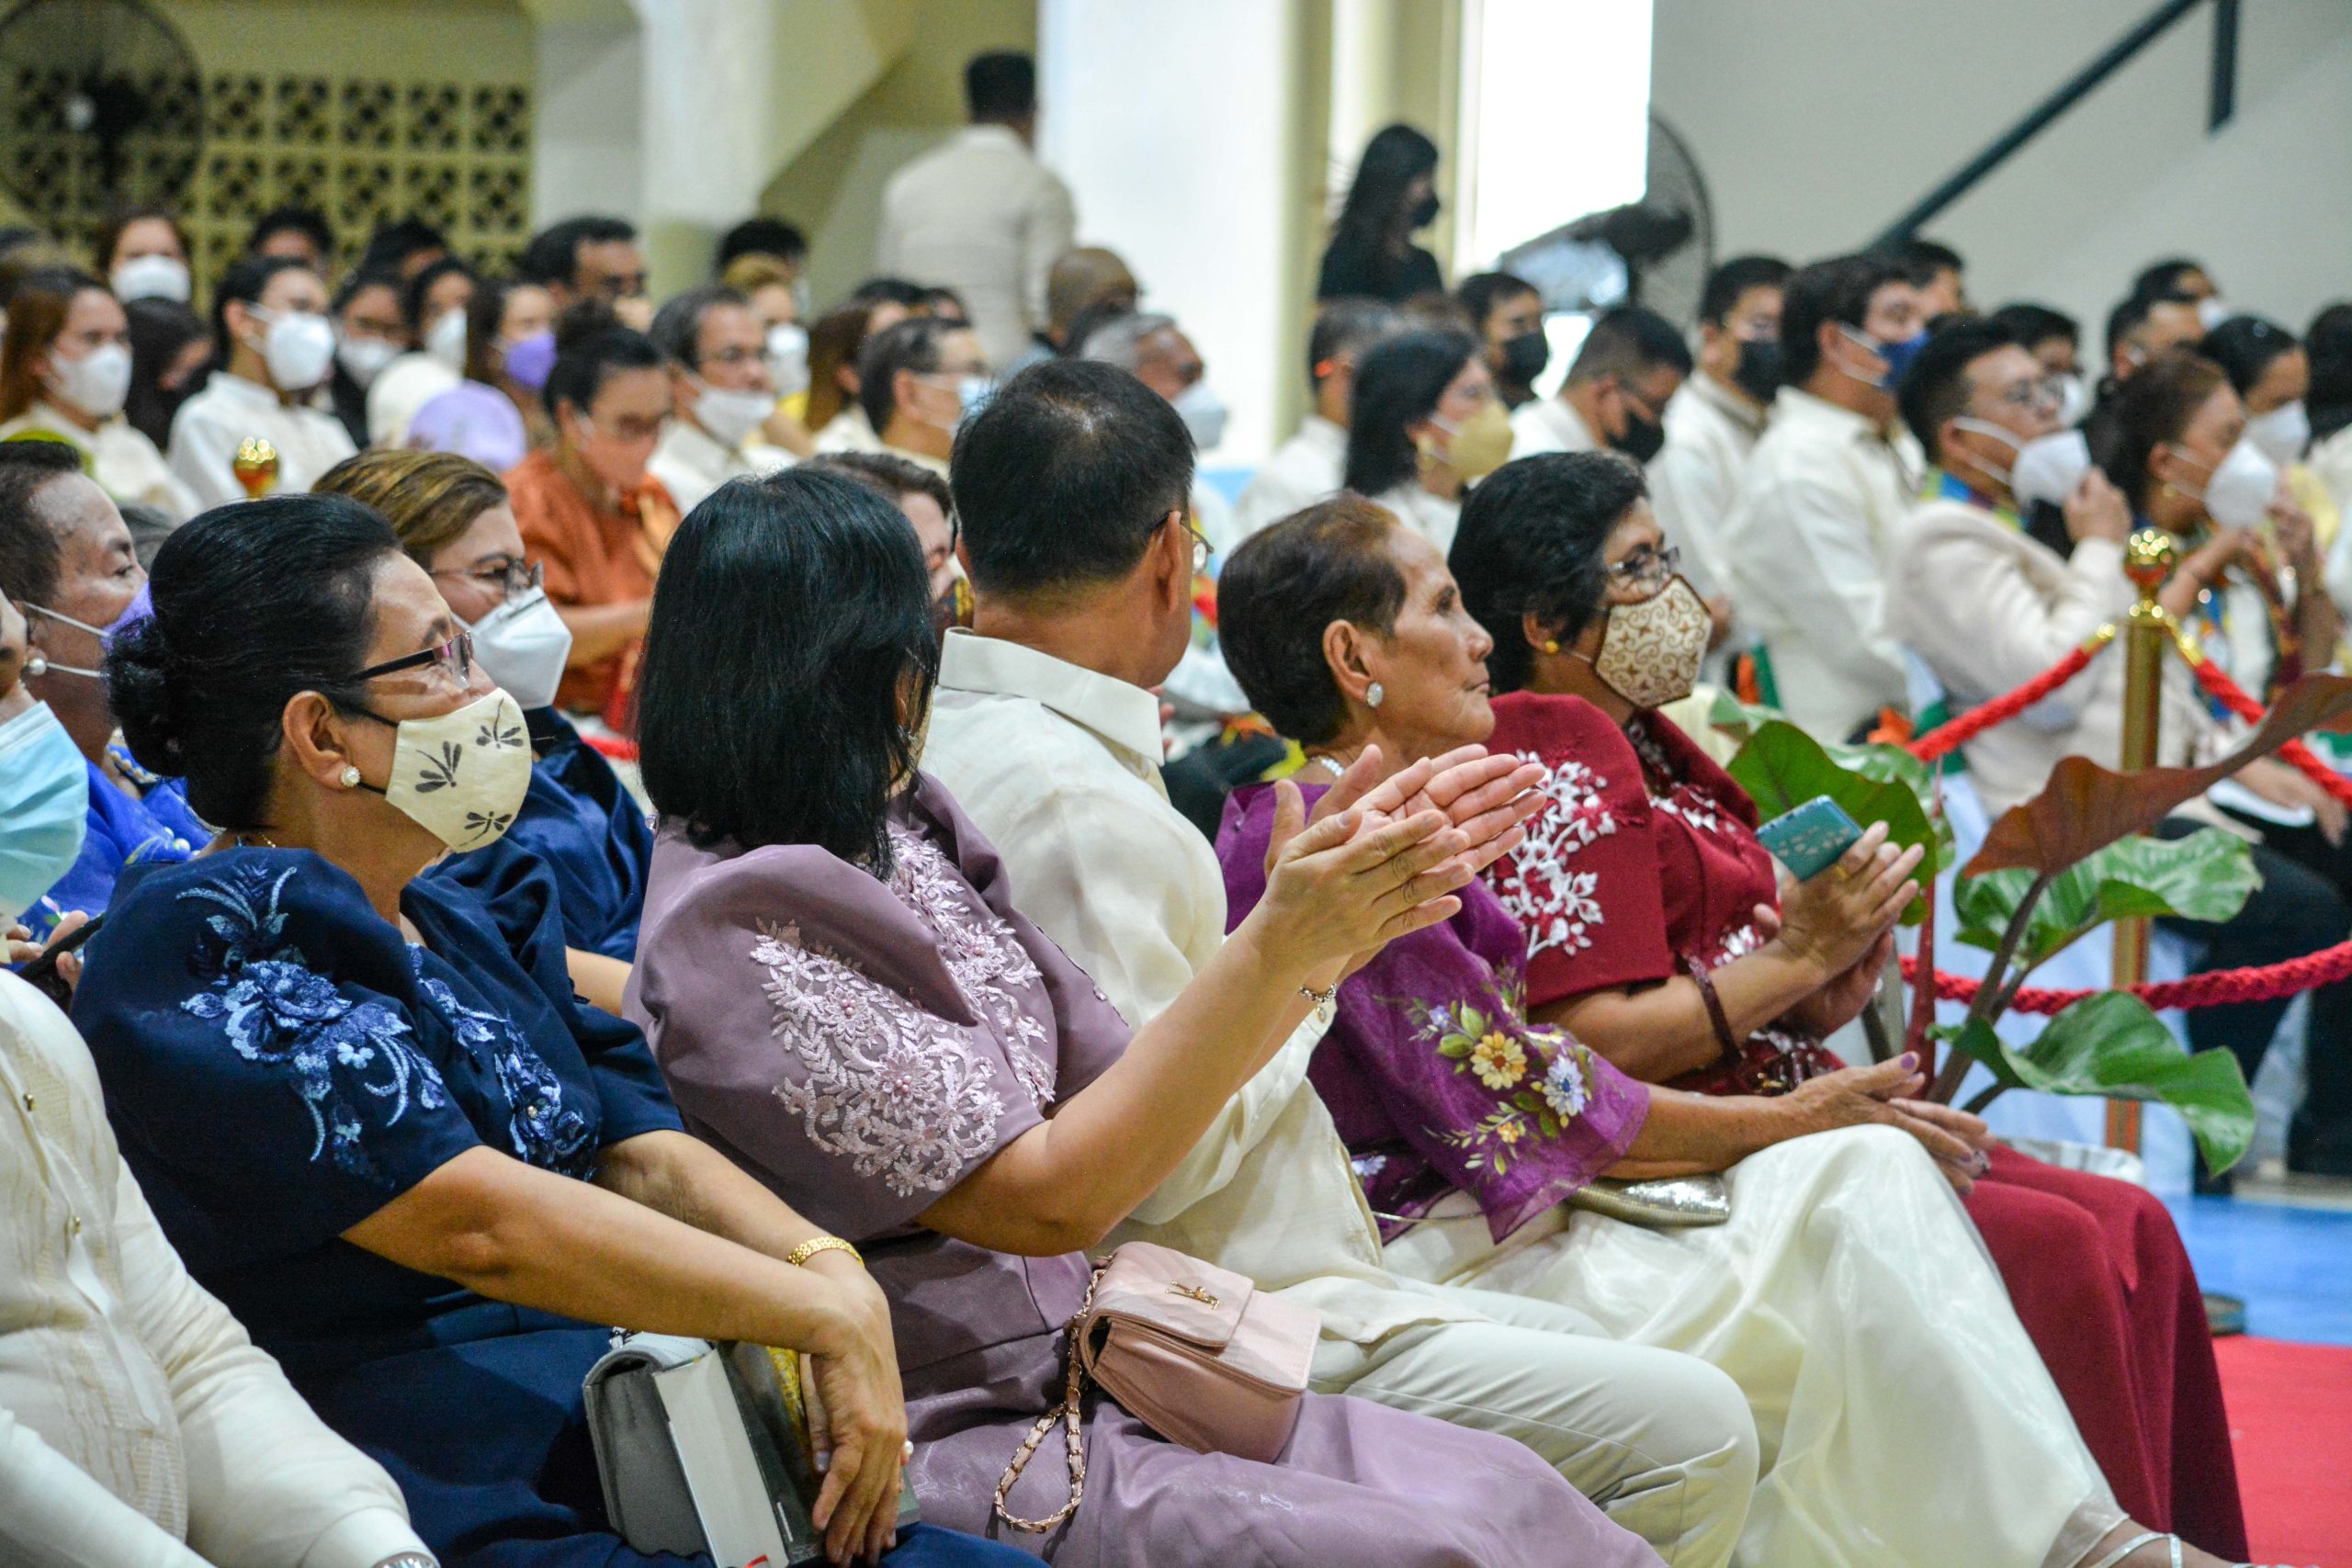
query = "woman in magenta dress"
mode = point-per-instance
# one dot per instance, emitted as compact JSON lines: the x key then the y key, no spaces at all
{"x":844,"y":999}
{"x":1642,"y":886}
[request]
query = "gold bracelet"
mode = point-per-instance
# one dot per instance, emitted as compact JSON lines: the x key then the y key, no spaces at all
{"x":815,"y":1244}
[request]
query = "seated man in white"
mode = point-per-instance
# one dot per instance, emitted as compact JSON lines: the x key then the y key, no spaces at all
{"x":1628,"y":369}
{"x":721,"y":390}
{"x":1070,"y":487}
{"x":1827,"y":494}
{"x":274,"y":346}
{"x":1309,"y":467}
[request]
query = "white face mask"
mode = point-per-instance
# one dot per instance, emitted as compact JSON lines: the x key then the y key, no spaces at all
{"x":446,"y":339}
{"x":1203,"y":412}
{"x":2212,"y":312}
{"x":2282,"y":434}
{"x":96,"y":383}
{"x":787,"y":350}
{"x":729,"y":415}
{"x":524,"y":644}
{"x":362,"y":357}
{"x":2049,"y":468}
{"x":2073,"y":398}
{"x":462,"y":776}
{"x":151,"y":277}
{"x":2239,"y":492}
{"x":298,"y":348}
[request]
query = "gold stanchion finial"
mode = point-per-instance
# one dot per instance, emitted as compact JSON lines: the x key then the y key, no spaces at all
{"x":2148,"y":559}
{"x":255,"y":466}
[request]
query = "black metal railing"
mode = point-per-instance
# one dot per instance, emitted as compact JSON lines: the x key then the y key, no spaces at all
{"x":2222,"y":104}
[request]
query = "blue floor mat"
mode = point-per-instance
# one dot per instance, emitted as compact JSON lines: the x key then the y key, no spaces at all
{"x":2293,"y":1265}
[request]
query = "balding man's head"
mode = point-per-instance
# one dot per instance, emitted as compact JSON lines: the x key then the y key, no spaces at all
{"x":1083,"y":279}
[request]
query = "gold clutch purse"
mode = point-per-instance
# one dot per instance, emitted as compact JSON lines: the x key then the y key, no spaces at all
{"x":1672,"y":1202}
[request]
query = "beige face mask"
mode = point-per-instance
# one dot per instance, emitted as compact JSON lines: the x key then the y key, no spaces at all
{"x":1650,"y":652}
{"x":1479,"y":444}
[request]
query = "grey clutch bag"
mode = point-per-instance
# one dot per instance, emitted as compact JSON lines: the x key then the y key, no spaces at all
{"x":1672,"y":1202}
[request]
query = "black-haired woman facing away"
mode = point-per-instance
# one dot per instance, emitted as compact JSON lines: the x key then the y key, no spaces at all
{"x":387,"y":1137}
{"x":1371,"y":253}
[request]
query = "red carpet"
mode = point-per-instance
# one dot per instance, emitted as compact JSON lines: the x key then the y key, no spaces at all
{"x":2290,"y":1420}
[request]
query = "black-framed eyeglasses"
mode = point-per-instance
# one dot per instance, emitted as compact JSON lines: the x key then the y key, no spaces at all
{"x":454,"y":659}
{"x":511,"y":578}
{"x":1649,"y":568}
{"x":1202,"y":549}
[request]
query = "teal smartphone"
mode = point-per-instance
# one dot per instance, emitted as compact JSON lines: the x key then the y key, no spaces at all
{"x":1809,"y":839}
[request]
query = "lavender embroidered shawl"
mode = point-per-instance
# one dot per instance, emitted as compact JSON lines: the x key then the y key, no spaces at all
{"x":1431,"y":1071}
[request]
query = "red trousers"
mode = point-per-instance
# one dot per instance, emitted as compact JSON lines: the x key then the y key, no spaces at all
{"x":2097,"y":1272}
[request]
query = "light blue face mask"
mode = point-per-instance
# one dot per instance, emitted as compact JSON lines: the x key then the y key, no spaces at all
{"x":44,"y":807}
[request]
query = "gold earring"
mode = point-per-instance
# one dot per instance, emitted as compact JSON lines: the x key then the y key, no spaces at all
{"x":1551,"y":645}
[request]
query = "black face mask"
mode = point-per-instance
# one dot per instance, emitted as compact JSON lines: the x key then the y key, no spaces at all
{"x":1642,"y":439}
{"x":1525,"y":356}
{"x":1759,"y":371}
{"x":1424,"y":212}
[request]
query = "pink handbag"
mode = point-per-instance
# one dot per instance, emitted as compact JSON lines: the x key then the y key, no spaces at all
{"x":1194,"y":1351}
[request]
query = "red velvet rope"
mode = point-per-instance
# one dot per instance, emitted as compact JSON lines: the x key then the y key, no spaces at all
{"x":2221,"y":987}
{"x":1949,"y":737}
{"x":616,"y":747}
{"x":2296,"y":755}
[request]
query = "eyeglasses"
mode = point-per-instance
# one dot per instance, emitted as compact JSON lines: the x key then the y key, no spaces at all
{"x":511,"y":578}
{"x":1647,"y":568}
{"x":1202,"y":548}
{"x":454,"y":659}
{"x":2047,"y":391}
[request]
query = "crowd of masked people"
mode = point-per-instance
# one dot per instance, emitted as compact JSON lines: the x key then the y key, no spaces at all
{"x":376,"y":1048}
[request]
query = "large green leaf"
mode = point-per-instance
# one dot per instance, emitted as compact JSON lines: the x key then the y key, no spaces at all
{"x":1738,"y":719}
{"x":2110,"y":1044}
{"x":2206,"y":877}
{"x":1975,"y":1038}
{"x":1782,"y":768}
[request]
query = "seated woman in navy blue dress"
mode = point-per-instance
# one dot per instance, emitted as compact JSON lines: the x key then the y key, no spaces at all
{"x":67,"y":557}
{"x":453,"y":519}
{"x":394,"y":1144}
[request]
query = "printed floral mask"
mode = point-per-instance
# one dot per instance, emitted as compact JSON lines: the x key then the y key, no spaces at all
{"x":1651,"y":653}
{"x":463,"y":775}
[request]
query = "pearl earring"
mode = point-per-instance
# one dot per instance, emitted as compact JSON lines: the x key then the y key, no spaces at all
{"x":1372,"y":696}
{"x":350,"y":776}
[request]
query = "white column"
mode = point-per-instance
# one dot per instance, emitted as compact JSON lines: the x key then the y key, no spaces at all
{"x":1171,"y":121}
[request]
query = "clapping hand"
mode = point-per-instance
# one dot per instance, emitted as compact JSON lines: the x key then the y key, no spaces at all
{"x":1486,"y":796}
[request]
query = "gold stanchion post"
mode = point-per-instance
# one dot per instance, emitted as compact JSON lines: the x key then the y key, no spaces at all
{"x":2148,"y":558}
{"x":255,"y":466}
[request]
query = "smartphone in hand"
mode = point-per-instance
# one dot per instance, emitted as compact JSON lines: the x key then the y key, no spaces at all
{"x":1809,"y":839}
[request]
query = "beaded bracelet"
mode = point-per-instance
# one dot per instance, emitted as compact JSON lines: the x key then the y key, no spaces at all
{"x":815,"y":1244}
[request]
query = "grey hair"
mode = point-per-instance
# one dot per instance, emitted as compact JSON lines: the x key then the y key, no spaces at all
{"x":1120,"y":340}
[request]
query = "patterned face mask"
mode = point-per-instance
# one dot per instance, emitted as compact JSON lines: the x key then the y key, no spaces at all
{"x":463,"y":775}
{"x":1650,"y":652}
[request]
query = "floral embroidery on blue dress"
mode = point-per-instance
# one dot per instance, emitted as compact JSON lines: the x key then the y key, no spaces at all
{"x":279,"y":1013}
{"x":539,"y":1128}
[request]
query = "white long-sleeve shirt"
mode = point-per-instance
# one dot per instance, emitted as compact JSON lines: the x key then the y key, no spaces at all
{"x":138,"y":1427}
{"x":1824,"y":498}
{"x":209,"y":425}
{"x":1059,"y":766}
{"x":979,"y":214}
{"x":124,"y":461}
{"x":1306,"y":469}
{"x":1694,"y":478}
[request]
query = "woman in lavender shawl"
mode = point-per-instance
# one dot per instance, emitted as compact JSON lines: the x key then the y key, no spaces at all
{"x":844,"y":999}
{"x":1846,"y":1294}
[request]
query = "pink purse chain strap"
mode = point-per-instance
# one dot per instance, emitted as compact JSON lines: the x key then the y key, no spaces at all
{"x":1067,"y":1413}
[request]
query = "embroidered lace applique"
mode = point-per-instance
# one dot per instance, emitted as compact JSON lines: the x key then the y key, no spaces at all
{"x":988,"y":962}
{"x":540,"y":1128}
{"x":280,"y":1013}
{"x":898,"y":1093}
{"x":1554,"y":904}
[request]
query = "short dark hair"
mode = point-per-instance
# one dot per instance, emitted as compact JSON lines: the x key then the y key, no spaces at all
{"x":1921,"y":259}
{"x":2133,"y":313}
{"x":792,"y":618}
{"x":2147,"y":411}
{"x":888,"y":473}
{"x":553,"y":255}
{"x":1482,"y":293}
{"x":761,"y":237}
{"x":2328,"y":341}
{"x":1936,"y":388}
{"x":2245,"y":346}
{"x":590,"y":345}
{"x":1284,"y":587}
{"x":939,"y":294}
{"x":363,"y":279}
{"x":896,"y":290}
{"x":1838,"y":289}
{"x":677,"y":326}
{"x":1732,"y":278}
{"x":911,"y":345}
{"x":1534,"y":538}
{"x":1348,"y":324}
{"x":1629,"y":341}
{"x":420,"y":288}
{"x":244,"y":282}
{"x":306,"y":222}
{"x":2163,"y":277}
{"x":31,"y":561}
{"x":393,"y":243}
{"x":1062,"y":478}
{"x":1398,"y":385}
{"x":200,"y":694}
{"x":1001,"y":84}
{"x":2034,"y":325}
